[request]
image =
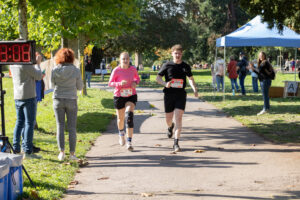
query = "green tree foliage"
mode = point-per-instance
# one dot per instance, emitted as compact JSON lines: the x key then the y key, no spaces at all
{"x":161,"y":26}
{"x":208,"y":20}
{"x":275,"y":12}
{"x":48,"y":21}
{"x":8,"y":20}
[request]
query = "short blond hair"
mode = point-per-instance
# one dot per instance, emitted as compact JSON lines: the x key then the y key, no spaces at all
{"x":123,"y":53}
{"x":177,"y":47}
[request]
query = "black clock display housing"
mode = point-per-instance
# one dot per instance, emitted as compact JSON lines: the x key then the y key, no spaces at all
{"x":17,"y":52}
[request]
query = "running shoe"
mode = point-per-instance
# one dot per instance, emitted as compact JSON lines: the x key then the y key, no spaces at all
{"x":122,"y":140}
{"x":61,"y":156}
{"x":170,"y":131}
{"x":129,"y":146}
{"x":36,"y":149}
{"x":262,"y":112}
{"x":176,"y":148}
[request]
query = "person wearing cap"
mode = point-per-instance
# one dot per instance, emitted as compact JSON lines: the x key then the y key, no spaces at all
{"x":242,"y":71}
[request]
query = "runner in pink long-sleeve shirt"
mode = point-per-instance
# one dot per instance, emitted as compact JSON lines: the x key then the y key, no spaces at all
{"x":124,"y":79}
{"x":119,"y":74}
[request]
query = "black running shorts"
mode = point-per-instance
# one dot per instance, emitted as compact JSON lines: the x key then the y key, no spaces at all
{"x":119,"y":102}
{"x":174,"y":100}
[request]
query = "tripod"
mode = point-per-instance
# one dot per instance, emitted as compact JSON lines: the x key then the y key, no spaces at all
{"x":4,"y":142}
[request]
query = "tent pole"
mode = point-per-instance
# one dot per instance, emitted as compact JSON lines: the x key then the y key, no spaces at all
{"x":224,"y":72}
{"x":280,"y":60}
{"x":215,"y":64}
{"x":216,"y":55}
{"x":295,"y":63}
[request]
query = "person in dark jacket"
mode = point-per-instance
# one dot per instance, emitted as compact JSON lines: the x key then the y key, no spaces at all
{"x":242,"y":71}
{"x":264,"y":71}
{"x":88,"y":69}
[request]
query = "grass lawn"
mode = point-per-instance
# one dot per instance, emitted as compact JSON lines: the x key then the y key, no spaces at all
{"x":51,"y":176}
{"x":281,"y":125}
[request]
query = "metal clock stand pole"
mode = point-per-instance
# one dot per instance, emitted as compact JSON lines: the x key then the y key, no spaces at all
{"x":6,"y":146}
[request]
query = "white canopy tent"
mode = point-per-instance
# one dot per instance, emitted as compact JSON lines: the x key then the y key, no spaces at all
{"x":256,"y":33}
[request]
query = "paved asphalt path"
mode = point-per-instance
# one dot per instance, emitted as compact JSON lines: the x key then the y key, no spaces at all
{"x":235,"y":163}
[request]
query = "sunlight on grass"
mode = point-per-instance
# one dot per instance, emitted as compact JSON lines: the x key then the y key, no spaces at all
{"x":281,"y":125}
{"x":51,"y":176}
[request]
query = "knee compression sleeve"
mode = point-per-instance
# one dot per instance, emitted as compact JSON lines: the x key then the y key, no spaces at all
{"x":129,"y":119}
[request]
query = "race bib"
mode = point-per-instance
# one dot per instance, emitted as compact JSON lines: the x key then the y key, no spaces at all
{"x":126,"y":92}
{"x":177,"y":83}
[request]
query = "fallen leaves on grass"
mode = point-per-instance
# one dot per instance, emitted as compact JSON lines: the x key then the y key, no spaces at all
{"x":66,"y":163}
{"x":82,"y":163}
{"x":74,"y":182}
{"x":34,"y":195}
{"x":92,"y":143}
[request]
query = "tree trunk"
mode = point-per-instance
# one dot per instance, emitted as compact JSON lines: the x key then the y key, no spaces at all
{"x":138,"y":59}
{"x":82,"y":67}
{"x":64,"y":41}
{"x":73,"y":44}
{"x":23,"y":29}
{"x":231,"y":15}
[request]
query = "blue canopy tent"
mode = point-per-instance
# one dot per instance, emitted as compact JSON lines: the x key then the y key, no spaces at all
{"x":256,"y":33}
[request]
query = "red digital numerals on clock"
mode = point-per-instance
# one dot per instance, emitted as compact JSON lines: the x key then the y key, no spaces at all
{"x":15,"y":53}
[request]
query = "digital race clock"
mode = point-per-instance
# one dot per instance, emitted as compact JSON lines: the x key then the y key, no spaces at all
{"x":17,"y":52}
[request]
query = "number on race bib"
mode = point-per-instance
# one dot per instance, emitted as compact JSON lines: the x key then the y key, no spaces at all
{"x":126,"y":92}
{"x":177,"y":83}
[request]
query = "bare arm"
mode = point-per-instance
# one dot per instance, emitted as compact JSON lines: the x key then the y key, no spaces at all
{"x":162,"y":82}
{"x":193,"y":85}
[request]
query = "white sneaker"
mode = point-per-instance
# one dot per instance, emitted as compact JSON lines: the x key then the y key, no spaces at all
{"x":122,"y":140}
{"x":262,"y":112}
{"x":61,"y":156}
{"x":129,"y":146}
{"x":73,"y":157}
